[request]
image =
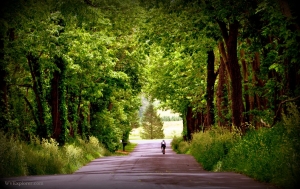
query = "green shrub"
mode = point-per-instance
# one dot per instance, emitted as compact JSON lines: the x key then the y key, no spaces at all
{"x":292,"y":125}
{"x":46,"y":157}
{"x":269,"y":154}
{"x":73,"y":158}
{"x":264,"y":155}
{"x":43,"y":158}
{"x":80,"y":152}
{"x":12,"y":157}
{"x":210,"y":147}
{"x":179,"y":145}
{"x":183,"y":147}
{"x":175,"y":143}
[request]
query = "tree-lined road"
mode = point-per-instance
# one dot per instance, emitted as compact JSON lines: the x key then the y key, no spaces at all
{"x":146,"y":167}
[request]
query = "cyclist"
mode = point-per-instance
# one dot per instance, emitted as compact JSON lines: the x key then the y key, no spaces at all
{"x":163,"y":145}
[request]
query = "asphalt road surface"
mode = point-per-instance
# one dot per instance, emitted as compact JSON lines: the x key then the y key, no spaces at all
{"x":146,"y":167}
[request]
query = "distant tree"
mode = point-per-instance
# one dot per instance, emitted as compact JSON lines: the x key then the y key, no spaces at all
{"x":152,"y":124}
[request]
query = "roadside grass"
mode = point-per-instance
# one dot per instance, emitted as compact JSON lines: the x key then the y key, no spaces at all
{"x":267,"y":154}
{"x":46,"y":157}
{"x":128,"y":149}
{"x":180,"y":146}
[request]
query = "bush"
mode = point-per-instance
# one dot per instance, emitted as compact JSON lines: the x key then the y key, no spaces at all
{"x":175,"y":143}
{"x":105,"y":130}
{"x":270,"y":154}
{"x":46,"y":157}
{"x":179,"y":145}
{"x":183,"y":147}
{"x":12,"y":157}
{"x":267,"y":154}
{"x":210,"y":147}
{"x":74,"y":158}
{"x":43,"y":158}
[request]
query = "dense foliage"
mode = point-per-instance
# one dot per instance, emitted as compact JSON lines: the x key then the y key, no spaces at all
{"x":76,"y":68}
{"x":69,"y":69}
{"x":223,"y":62}
{"x":268,"y":155}
{"x":46,"y":157}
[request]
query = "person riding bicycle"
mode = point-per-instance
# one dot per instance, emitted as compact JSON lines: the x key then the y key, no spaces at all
{"x":163,"y":145}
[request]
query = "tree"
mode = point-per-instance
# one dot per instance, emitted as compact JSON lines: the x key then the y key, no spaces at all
{"x":152,"y":124}
{"x":69,"y":69}
{"x":75,"y":68}
{"x":177,"y":54}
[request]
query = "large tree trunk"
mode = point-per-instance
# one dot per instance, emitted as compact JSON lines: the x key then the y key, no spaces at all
{"x":35,"y":72}
{"x":246,"y":88}
{"x":56,"y":124}
{"x":230,"y":38}
{"x":80,"y":127}
{"x":221,"y":102}
{"x":211,"y":77}
{"x":189,"y":122}
{"x":199,"y":121}
{"x":79,"y":113}
{"x":58,"y":111}
{"x":72,"y":111}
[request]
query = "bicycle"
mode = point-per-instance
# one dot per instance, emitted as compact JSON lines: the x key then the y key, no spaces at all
{"x":163,"y":147}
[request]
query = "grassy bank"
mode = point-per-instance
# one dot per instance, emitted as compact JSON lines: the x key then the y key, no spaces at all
{"x":46,"y":157}
{"x":267,"y":154}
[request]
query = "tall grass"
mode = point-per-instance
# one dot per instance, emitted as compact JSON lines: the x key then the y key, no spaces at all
{"x":210,"y":147}
{"x":263,"y":155}
{"x":180,"y":146}
{"x":270,"y":154}
{"x":12,"y":157}
{"x":267,"y":154}
{"x":45,"y":157}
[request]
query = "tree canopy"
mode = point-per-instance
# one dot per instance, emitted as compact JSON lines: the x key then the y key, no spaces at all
{"x":77,"y":68}
{"x":224,"y":53}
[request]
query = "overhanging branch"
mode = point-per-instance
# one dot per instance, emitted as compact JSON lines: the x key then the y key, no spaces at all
{"x":32,"y":111}
{"x":224,"y":30}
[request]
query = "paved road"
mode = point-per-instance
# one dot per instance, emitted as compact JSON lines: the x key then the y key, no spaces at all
{"x":146,"y":167}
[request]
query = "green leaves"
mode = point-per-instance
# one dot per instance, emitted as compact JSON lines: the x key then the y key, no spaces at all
{"x":100,"y":71}
{"x":114,"y":49}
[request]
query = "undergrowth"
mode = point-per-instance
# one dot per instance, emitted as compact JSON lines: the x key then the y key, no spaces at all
{"x":180,"y":146}
{"x":41,"y":157}
{"x":267,"y":154}
{"x":212,"y":146}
